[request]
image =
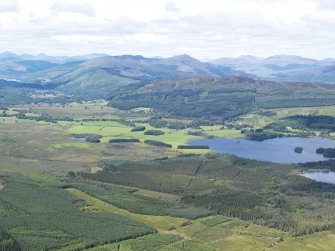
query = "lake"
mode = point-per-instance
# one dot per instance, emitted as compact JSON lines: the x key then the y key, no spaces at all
{"x":322,"y":176}
{"x":278,"y":150}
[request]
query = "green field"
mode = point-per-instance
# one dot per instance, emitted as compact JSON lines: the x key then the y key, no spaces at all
{"x":319,"y":241}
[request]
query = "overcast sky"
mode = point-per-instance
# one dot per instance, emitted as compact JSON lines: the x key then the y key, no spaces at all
{"x":201,"y":28}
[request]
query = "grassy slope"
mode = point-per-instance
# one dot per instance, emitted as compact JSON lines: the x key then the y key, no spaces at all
{"x":318,"y":241}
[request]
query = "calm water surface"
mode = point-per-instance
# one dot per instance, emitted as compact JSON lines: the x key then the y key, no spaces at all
{"x":322,"y":176}
{"x":278,"y":150}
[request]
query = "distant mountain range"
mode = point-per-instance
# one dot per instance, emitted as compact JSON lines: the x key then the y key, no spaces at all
{"x":43,"y":57}
{"x":100,"y":74}
{"x":283,"y":68}
{"x":179,"y":86}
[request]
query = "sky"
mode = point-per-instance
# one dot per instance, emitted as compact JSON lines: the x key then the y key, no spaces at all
{"x":205,"y":29}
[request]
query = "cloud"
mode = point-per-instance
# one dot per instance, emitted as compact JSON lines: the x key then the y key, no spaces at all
{"x":171,"y":7}
{"x":84,"y":9}
{"x":8,"y":6}
{"x":326,"y":4}
{"x":203,"y":29}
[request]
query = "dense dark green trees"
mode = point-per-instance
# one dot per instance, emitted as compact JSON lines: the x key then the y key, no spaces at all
{"x":138,"y":129}
{"x":154,"y":132}
{"x":123,"y":140}
{"x":192,"y":147}
{"x":157,"y":143}
{"x":92,"y":140}
{"x":8,"y":243}
{"x":89,"y":137}
{"x":318,"y":122}
{"x":260,"y":135}
{"x":47,"y":217}
{"x":328,"y":164}
{"x":326,"y":152}
{"x":298,"y":149}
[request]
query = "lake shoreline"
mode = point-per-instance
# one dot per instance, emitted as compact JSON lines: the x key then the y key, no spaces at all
{"x":321,"y":175}
{"x":276,"y":150}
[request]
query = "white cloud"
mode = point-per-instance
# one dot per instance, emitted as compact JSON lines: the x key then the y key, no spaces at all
{"x":84,"y":9}
{"x":210,"y":29}
{"x":8,"y":6}
{"x":326,"y":4}
{"x":171,"y":6}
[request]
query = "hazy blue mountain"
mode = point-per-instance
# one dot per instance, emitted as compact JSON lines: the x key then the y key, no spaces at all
{"x":283,"y":60}
{"x":9,"y":56}
{"x":110,"y":72}
{"x":18,"y":69}
{"x":105,"y":73}
{"x":186,"y":63}
{"x":283,"y":68}
{"x":315,"y":74}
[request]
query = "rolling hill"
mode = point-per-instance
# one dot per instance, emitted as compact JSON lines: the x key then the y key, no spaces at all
{"x":105,"y":73}
{"x":220,"y":98}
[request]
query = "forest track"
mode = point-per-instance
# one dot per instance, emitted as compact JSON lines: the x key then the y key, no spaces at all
{"x":195,"y":173}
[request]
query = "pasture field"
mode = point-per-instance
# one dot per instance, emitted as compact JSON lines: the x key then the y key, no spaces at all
{"x":111,"y":130}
